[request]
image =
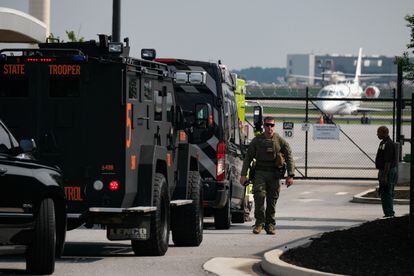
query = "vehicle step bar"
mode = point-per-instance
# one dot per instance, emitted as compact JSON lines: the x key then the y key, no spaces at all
{"x":181,"y":202}
{"x":140,"y":209}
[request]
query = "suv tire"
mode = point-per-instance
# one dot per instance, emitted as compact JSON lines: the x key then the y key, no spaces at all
{"x":222,"y":217}
{"x":40,"y":254}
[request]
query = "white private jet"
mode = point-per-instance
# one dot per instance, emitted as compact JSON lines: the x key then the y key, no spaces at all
{"x":347,"y":89}
{"x":341,"y":97}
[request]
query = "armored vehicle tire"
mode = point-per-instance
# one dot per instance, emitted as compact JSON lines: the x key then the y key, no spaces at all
{"x":157,"y":244}
{"x":222,"y":217}
{"x":237,"y":216}
{"x":40,"y":254}
{"x":187,"y":221}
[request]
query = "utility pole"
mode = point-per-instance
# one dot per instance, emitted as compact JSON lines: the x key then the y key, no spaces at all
{"x":116,"y":20}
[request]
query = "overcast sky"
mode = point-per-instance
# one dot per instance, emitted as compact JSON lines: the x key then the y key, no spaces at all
{"x":242,"y":33}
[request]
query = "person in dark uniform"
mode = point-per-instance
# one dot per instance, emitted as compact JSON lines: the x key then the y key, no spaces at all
{"x":272,"y":153}
{"x":386,"y":163}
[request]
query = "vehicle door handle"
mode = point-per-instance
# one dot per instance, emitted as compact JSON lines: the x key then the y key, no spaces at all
{"x":3,"y":171}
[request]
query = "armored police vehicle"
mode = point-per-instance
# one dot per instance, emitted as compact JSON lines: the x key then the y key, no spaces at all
{"x":111,"y":123}
{"x":209,"y":89}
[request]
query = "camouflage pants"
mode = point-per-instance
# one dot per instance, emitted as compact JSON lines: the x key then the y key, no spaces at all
{"x":266,"y":185}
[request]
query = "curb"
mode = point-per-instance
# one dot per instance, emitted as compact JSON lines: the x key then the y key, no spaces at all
{"x":359,"y":198}
{"x":274,"y":266}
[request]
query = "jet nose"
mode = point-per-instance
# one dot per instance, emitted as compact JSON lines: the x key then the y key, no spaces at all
{"x":324,"y":106}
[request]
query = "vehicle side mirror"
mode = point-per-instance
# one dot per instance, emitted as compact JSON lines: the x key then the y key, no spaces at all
{"x":258,"y":118}
{"x":27,"y":145}
{"x":234,"y":80}
{"x":203,"y":116}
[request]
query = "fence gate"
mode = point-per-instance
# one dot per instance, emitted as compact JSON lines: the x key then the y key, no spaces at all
{"x":331,"y":147}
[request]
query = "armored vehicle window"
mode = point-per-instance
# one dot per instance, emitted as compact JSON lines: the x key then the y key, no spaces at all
{"x":169,"y":105}
{"x":132,"y":88}
{"x":157,"y":105}
{"x":147,"y":90}
{"x":61,"y":87}
{"x":5,"y":144}
{"x":14,"y":87}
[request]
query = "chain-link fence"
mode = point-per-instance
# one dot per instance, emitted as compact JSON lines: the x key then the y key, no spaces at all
{"x":338,"y":146}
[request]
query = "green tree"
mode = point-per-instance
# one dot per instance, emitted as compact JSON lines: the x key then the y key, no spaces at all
{"x":73,"y":38}
{"x":404,"y":60}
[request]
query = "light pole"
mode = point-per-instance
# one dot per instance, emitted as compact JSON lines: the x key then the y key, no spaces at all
{"x":322,"y":66}
{"x":116,"y":20}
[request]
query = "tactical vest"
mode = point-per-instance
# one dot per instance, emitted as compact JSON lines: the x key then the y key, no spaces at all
{"x":268,"y":155}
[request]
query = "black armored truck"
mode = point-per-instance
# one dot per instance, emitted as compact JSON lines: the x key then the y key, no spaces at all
{"x":206,"y":92}
{"x":111,"y":123}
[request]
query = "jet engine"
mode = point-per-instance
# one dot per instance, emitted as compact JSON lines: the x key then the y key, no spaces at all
{"x":371,"y":92}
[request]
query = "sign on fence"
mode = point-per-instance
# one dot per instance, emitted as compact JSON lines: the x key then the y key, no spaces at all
{"x":325,"y":132}
{"x":288,"y":129}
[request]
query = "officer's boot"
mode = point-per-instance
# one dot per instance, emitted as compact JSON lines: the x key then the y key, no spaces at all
{"x":257,"y":229}
{"x":270,"y":229}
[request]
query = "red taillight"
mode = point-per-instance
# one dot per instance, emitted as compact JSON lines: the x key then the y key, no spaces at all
{"x":165,"y":60}
{"x":114,"y":185}
{"x":221,"y":161}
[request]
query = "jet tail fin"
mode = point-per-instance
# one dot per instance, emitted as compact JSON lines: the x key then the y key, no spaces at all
{"x":358,"y":67}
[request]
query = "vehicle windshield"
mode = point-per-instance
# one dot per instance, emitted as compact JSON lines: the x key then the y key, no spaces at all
{"x":7,"y":141}
{"x":188,"y":101}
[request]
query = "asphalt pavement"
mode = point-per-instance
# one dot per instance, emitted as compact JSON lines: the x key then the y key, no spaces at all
{"x":270,"y":263}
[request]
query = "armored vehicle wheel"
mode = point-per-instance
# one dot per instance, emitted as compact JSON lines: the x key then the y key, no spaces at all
{"x":157,"y":244}
{"x":40,"y":254}
{"x":237,"y":216}
{"x":222,"y":217}
{"x":187,"y":221}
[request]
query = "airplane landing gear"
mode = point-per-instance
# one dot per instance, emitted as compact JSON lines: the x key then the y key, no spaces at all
{"x":365,"y":120}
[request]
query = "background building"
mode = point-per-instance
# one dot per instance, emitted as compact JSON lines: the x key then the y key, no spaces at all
{"x":19,"y":27}
{"x":308,"y":68}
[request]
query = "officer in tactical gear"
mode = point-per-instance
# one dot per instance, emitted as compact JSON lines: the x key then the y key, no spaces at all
{"x":273,"y":156}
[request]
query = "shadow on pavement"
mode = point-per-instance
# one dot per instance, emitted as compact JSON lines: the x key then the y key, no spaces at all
{"x":73,"y":250}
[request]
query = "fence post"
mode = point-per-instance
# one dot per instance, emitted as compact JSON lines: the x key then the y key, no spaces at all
{"x":399,"y":139}
{"x":394,"y":97}
{"x":306,"y":134}
{"x":412,"y":168}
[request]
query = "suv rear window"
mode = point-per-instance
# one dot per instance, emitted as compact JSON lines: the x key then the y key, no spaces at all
{"x":14,"y":87}
{"x":61,"y":87}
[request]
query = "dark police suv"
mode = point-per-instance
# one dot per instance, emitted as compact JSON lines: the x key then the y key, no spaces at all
{"x":32,"y":204}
